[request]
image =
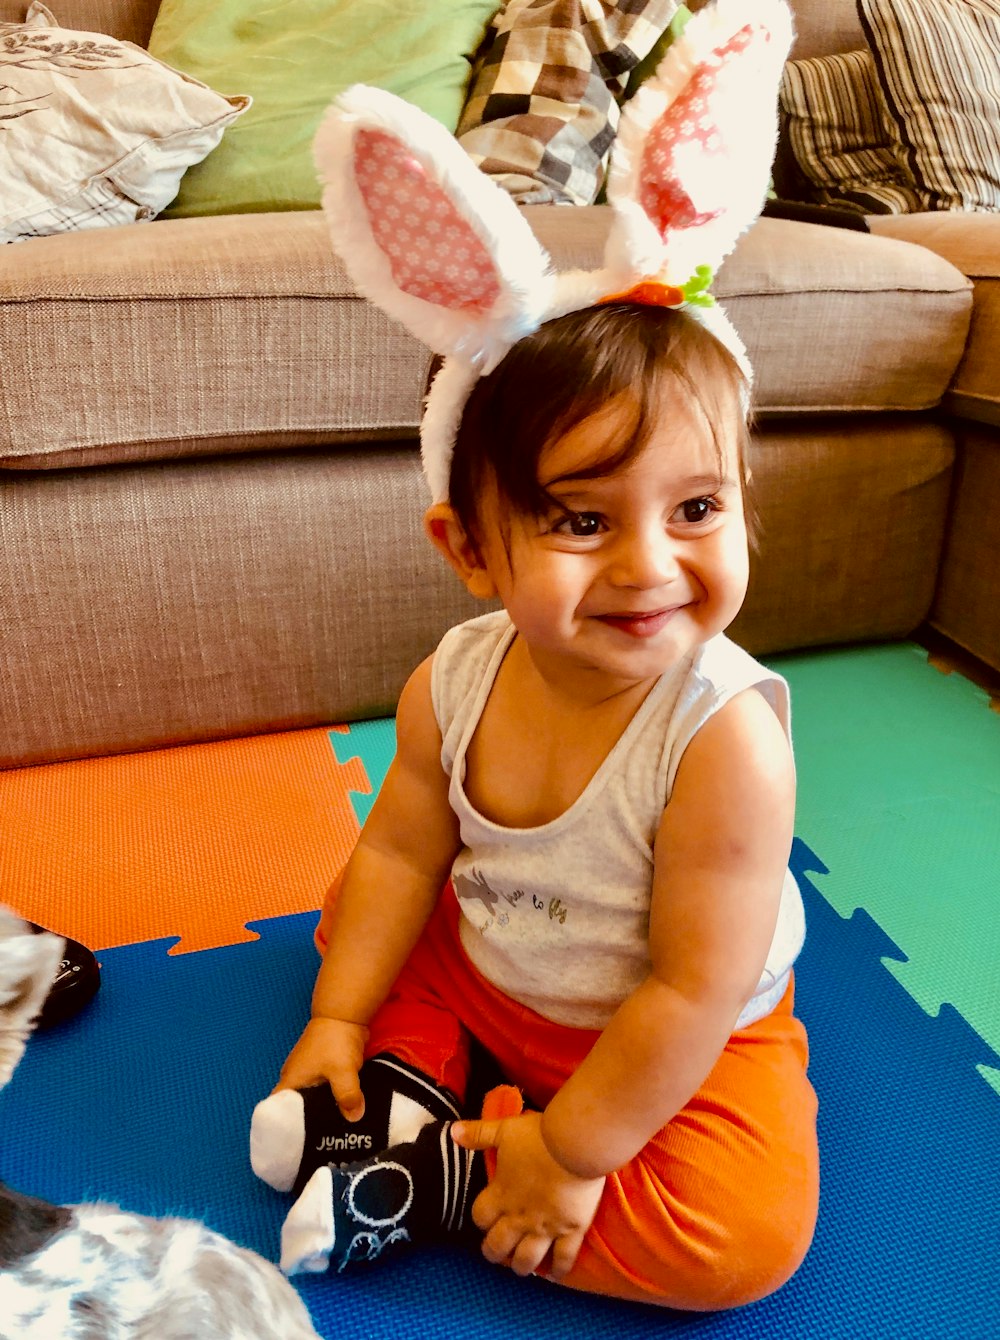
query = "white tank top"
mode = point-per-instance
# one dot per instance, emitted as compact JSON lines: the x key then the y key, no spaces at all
{"x":557,"y":916}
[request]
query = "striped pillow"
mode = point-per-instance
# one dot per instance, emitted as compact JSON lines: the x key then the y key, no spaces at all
{"x":938,"y":62}
{"x":839,"y":133}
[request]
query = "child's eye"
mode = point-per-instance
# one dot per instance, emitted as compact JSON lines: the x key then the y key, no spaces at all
{"x":582,"y":525}
{"x":695,"y":510}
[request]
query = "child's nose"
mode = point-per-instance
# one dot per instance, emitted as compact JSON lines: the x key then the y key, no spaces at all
{"x":645,"y":558}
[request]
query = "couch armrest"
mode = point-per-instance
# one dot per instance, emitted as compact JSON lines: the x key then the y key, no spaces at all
{"x":970,"y":242}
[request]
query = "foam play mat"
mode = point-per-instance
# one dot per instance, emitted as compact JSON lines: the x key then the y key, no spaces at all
{"x":196,"y":872}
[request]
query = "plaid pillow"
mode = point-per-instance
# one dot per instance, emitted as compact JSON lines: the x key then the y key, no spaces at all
{"x":840,"y":134}
{"x":542,"y":109}
{"x":938,"y":63}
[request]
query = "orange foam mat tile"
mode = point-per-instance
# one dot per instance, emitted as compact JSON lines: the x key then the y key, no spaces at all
{"x":192,"y":842}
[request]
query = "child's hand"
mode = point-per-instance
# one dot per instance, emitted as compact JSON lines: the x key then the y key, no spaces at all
{"x":532,"y":1205}
{"x":330,"y":1050}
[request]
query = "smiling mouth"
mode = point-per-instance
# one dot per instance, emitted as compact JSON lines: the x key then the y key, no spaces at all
{"x":640,"y":625}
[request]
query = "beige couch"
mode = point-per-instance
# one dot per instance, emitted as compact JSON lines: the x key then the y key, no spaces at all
{"x":209,"y":487}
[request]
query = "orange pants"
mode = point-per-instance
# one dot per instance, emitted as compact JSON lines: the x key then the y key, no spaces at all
{"x":717,"y":1210}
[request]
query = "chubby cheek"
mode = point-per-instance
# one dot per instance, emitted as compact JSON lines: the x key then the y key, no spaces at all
{"x":740,"y":571}
{"x":547,"y":597}
{"x":730,"y":574}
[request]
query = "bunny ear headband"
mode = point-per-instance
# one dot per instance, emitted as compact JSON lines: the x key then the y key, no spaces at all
{"x":444,"y":250}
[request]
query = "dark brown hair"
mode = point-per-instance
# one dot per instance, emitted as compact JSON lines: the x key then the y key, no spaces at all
{"x":566,"y":371}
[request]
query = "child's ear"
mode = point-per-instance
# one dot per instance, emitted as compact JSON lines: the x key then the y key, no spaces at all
{"x":448,"y":536}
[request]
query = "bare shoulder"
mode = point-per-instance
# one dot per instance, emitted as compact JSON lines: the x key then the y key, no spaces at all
{"x":418,"y":736}
{"x":735,"y":786}
{"x":414,"y":793}
{"x":744,"y":742}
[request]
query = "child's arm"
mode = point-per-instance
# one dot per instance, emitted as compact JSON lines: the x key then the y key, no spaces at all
{"x":387,"y":893}
{"x":719,"y":865}
{"x":720,"y":860}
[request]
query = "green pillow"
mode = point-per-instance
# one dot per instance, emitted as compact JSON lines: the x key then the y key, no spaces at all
{"x":293,"y":57}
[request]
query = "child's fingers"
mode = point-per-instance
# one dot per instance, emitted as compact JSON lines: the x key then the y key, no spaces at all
{"x":509,"y":1244}
{"x":295,"y":1076}
{"x":529,"y":1253}
{"x":347,"y":1091}
{"x":486,"y":1209}
{"x":565,"y":1250}
{"x":477,"y":1134}
{"x":501,"y":1241}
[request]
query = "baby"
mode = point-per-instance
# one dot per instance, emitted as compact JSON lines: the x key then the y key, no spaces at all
{"x":579,"y":857}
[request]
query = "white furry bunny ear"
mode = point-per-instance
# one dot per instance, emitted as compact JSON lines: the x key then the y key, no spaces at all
{"x":690,"y":166}
{"x":423,"y":233}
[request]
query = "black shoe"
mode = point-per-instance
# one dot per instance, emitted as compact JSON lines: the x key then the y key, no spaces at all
{"x":76,"y":983}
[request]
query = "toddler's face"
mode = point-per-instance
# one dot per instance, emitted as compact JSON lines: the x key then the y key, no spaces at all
{"x":633,"y":569}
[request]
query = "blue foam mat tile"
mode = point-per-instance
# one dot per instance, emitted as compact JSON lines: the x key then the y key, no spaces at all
{"x":908,"y":1136}
{"x":145,"y":1100}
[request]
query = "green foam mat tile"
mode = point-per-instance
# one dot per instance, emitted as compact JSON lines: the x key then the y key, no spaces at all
{"x":899,"y":787}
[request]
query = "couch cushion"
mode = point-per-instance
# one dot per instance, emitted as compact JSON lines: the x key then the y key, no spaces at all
{"x":240,"y":333}
{"x":235,"y":595}
{"x":192,"y":337}
{"x":971,"y":242}
{"x":842,"y":321}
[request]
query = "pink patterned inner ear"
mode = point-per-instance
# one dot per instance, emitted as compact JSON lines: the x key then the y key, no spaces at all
{"x":433,"y":252}
{"x":692,"y":119}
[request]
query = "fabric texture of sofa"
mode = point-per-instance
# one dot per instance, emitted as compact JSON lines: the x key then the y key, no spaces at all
{"x":210,"y":493}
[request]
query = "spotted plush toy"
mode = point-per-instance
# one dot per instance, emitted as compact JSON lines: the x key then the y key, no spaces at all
{"x":95,"y":1272}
